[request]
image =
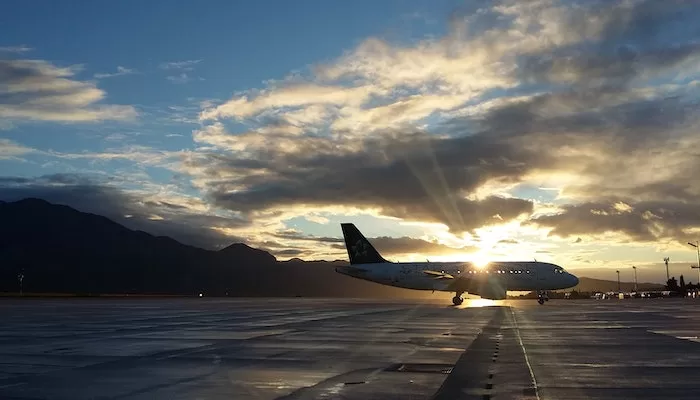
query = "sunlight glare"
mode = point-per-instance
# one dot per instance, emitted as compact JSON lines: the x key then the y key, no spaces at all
{"x":478,"y":302}
{"x":480,"y":260}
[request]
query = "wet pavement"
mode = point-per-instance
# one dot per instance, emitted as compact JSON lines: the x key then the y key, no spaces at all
{"x":348,"y":349}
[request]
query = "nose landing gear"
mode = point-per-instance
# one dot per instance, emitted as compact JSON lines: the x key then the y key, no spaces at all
{"x":457,"y":300}
{"x":542,"y":296}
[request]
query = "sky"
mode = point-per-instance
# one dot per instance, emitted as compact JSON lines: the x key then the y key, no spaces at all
{"x":559,"y":131}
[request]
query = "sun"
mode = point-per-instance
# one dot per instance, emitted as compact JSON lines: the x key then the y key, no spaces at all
{"x":480,"y":260}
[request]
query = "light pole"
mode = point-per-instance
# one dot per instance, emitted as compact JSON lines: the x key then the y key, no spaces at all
{"x":697,"y":248}
{"x":20,"y":278}
{"x":618,"y":281}
{"x":666,"y":260}
{"x":635,"y":278}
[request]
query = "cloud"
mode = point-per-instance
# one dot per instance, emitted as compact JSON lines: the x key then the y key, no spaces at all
{"x":15,"y":49}
{"x":183,"y":218}
{"x":39,"y":90}
{"x":549,"y":93}
{"x":643,"y":221}
{"x":633,"y":40}
{"x":419,"y":179}
{"x":408,"y":245}
{"x":116,"y":137}
{"x":378,"y":80}
{"x":185,"y":65}
{"x":10,"y":150}
{"x":384,"y":244}
{"x":179,"y":79}
{"x":181,"y":69}
{"x":120,"y":72}
{"x":289,"y":96}
{"x":138,"y":154}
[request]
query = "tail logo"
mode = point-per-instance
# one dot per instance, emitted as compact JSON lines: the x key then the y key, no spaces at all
{"x":360,"y":248}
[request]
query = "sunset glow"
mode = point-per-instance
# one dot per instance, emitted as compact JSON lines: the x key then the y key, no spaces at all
{"x":550,"y":130}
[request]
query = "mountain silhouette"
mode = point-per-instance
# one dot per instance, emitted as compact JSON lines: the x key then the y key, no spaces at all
{"x":63,"y":250}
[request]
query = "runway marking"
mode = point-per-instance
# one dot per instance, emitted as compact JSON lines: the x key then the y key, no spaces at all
{"x":472,"y":374}
{"x":527,"y":359}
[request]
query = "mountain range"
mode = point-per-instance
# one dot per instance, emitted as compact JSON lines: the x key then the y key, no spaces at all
{"x":62,"y":250}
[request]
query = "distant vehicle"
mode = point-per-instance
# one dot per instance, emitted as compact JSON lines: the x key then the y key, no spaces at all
{"x":489,"y":282}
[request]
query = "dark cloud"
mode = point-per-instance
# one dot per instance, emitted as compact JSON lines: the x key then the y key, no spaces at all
{"x":641,"y":221}
{"x":647,"y":22}
{"x":406,"y":245}
{"x":296,"y":235}
{"x":384,"y":244}
{"x":621,"y":120}
{"x":643,"y":37}
{"x":97,"y":196}
{"x":614,"y":69}
{"x":5,"y":180}
{"x":289,"y":252}
{"x":406,"y":179}
{"x":165,"y":204}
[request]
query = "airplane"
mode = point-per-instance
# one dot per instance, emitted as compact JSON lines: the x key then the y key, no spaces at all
{"x":489,"y":282}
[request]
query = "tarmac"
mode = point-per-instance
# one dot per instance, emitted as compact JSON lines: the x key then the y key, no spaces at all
{"x":202,"y":348}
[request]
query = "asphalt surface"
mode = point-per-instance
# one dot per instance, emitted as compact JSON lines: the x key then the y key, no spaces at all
{"x":348,"y":349}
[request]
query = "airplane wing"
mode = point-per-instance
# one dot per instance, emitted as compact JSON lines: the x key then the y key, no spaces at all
{"x":438,"y":274}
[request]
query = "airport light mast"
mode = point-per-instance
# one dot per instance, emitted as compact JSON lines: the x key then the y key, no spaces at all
{"x":618,"y":281}
{"x":666,"y":260}
{"x":635,"y":277}
{"x":20,"y":279}
{"x":697,"y":248}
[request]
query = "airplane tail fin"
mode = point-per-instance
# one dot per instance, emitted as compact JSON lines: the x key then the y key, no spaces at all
{"x":360,"y":250}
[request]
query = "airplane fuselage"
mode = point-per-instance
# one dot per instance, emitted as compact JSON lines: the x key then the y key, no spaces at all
{"x":491,"y":281}
{"x":451,"y":276}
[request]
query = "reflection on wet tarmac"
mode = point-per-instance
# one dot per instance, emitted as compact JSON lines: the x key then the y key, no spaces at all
{"x":350,"y":349}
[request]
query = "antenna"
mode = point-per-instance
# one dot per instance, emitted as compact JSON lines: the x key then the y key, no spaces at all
{"x":666,"y":260}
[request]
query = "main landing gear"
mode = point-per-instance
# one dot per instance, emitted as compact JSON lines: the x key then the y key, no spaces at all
{"x":542,"y":296}
{"x":457,"y":300}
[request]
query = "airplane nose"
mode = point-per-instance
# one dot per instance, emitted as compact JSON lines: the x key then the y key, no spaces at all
{"x":574,"y":279}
